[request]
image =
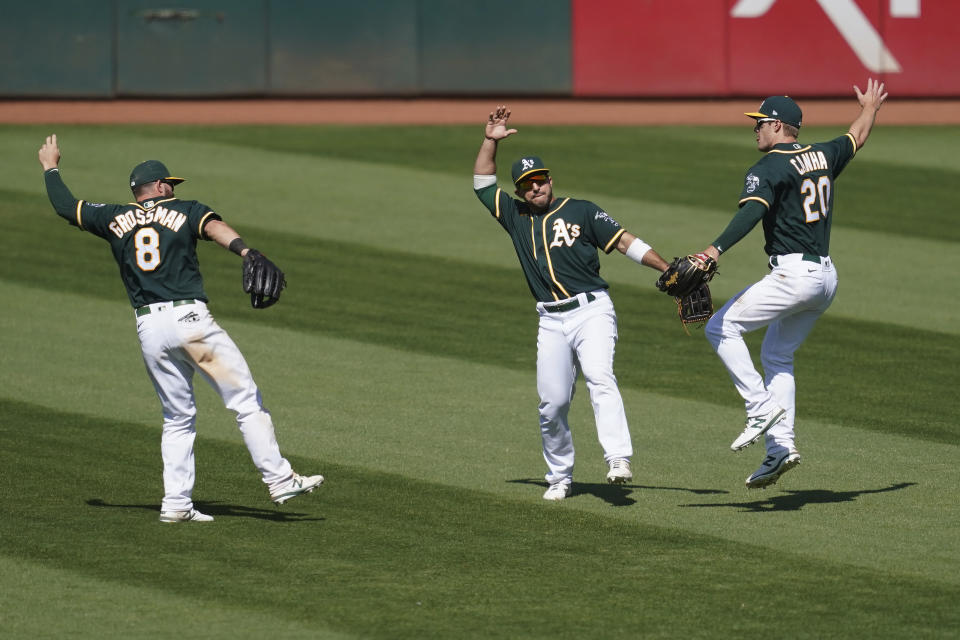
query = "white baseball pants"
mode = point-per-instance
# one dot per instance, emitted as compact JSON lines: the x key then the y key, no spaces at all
{"x":788,"y":301}
{"x":583,"y":338}
{"x":176,"y":342}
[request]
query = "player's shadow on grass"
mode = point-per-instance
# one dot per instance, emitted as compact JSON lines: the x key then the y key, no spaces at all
{"x":796,"y":500}
{"x":216,"y":509}
{"x":616,"y":495}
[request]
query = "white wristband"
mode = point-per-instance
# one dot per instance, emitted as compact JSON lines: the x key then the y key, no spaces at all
{"x":637,"y":249}
{"x":481,"y":181}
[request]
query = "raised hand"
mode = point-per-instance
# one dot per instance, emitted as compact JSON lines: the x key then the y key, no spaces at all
{"x":497,"y":124}
{"x":49,"y":153}
{"x":874,"y":96}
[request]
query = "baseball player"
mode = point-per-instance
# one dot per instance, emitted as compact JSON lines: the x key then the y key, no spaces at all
{"x":792,"y":190}
{"x":154,"y":242}
{"x":556,"y":240}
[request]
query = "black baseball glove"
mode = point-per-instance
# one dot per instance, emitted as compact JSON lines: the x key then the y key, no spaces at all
{"x":262,"y":279}
{"x":696,"y":307}
{"x":685,"y":275}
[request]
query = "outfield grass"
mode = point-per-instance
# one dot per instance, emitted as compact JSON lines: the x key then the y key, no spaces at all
{"x":400,"y":364}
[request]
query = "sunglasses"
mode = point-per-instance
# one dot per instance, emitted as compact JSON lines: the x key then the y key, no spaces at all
{"x":761,"y":122}
{"x":527,"y":183}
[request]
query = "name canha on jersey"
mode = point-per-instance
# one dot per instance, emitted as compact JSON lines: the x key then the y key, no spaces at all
{"x":796,"y":183}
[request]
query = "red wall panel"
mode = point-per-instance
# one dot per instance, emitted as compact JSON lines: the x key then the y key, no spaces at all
{"x":794,"y":49}
{"x":659,"y":48}
{"x":648,"y":47}
{"x":926,"y":48}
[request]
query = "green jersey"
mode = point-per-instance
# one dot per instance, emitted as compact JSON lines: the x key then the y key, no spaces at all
{"x":154,"y":242}
{"x":795,"y":183}
{"x":557,"y":249}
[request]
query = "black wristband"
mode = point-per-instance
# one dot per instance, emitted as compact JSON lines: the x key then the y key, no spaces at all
{"x":237,"y":246}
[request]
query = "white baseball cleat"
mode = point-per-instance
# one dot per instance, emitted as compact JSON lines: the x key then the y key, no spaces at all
{"x":755,"y":427}
{"x":189,"y":515}
{"x":619,"y":471}
{"x":557,"y":491}
{"x":295,"y":486}
{"x":774,"y":466}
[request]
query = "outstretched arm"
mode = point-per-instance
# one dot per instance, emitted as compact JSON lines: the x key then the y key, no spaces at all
{"x":870,"y":101}
{"x":743,"y":222}
{"x":495,"y":131}
{"x":224,"y":235}
{"x":62,"y":200}
{"x":639,"y":251}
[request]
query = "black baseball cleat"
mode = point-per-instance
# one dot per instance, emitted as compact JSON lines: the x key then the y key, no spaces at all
{"x":774,"y":466}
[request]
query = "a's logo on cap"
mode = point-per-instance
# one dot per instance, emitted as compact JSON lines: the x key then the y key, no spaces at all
{"x":527,"y":163}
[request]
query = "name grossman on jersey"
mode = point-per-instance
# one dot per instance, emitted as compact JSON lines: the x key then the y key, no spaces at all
{"x":128,"y":220}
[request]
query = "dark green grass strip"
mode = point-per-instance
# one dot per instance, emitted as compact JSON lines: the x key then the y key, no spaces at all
{"x":384,"y":556}
{"x":870,"y":375}
{"x":652,"y":163}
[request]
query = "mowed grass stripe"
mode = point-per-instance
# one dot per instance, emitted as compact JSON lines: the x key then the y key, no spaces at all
{"x":617,"y":161}
{"x":436,"y":561}
{"x":484,"y":314}
{"x":695,"y":166}
{"x":77,"y":605}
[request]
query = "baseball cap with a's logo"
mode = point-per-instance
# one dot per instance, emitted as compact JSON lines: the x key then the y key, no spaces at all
{"x":526,"y":166}
{"x":781,"y":108}
{"x":151,"y":171}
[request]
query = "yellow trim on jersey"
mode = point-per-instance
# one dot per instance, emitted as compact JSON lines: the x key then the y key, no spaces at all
{"x":79,"y":217}
{"x":155,"y":203}
{"x":853,"y":141}
{"x":761,"y":200}
{"x":533,"y":240}
{"x":565,"y":201}
{"x":202,"y":221}
{"x":806,"y":148}
{"x":546,"y":250}
{"x":496,"y":199}
{"x":609,"y":247}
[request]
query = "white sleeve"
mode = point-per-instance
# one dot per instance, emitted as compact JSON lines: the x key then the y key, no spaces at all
{"x":479,"y":182}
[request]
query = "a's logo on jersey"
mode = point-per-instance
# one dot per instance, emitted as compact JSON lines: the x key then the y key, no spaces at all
{"x":602,"y":215}
{"x":527,"y":163}
{"x":564,"y":233}
{"x":752,"y":183}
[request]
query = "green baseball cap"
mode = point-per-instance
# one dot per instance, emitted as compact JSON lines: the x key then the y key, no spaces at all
{"x":781,"y":108}
{"x":526,"y":166}
{"x":151,"y":171}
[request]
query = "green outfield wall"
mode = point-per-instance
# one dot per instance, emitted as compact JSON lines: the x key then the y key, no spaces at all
{"x":205,"y":48}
